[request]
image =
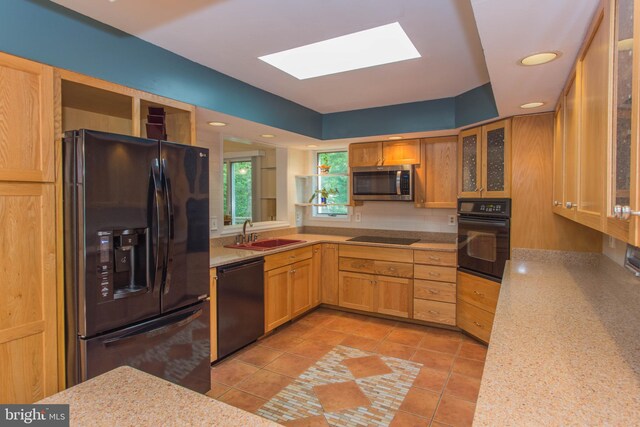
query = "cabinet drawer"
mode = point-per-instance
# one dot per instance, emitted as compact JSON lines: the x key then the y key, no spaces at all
{"x":434,"y":311}
{"x":287,"y":257}
{"x":377,"y":253}
{"x":474,"y":320}
{"x":437,"y":291}
{"x":480,"y":292}
{"x":449,"y":259}
{"x":370,"y":266}
{"x":437,"y":273}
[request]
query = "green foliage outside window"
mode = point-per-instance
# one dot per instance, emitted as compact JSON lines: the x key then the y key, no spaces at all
{"x":339,"y":162}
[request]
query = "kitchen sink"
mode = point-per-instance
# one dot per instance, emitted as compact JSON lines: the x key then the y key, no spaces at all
{"x":265,"y":245}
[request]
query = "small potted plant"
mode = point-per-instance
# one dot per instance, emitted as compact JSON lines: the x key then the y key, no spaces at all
{"x":324,"y":194}
{"x":323,"y":169}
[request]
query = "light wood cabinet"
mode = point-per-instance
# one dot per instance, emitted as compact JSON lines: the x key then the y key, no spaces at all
{"x":28,"y":321}
{"x":558,"y":159}
{"x":316,"y":274}
{"x":404,"y":152}
{"x":476,"y":305}
{"x":594,"y":127}
{"x":356,"y":291}
{"x":571,"y":140}
{"x":365,"y":154}
{"x":26,"y":120}
{"x":301,"y":285}
{"x":434,"y":287}
{"x":213,"y":323}
{"x":287,"y":288}
{"x":393,"y":296}
{"x":484,"y":161}
{"x":436,"y":175}
{"x":329,"y":276}
{"x":277,"y":297}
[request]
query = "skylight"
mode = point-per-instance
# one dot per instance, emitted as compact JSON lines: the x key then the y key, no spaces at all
{"x":376,"y":46}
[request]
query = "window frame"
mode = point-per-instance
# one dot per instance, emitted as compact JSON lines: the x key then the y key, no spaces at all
{"x":316,"y":183}
{"x":229,"y":190}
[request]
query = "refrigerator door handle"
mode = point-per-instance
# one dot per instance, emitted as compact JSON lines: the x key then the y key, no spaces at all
{"x":152,"y":331}
{"x":170,"y":226}
{"x":157,"y":207}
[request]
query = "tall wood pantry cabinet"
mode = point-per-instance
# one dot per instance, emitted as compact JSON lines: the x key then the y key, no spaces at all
{"x":28,"y":341}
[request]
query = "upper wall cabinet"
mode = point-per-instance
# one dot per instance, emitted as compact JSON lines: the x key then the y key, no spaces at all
{"x":484,"y":161}
{"x":436,"y":176}
{"x":26,"y":120}
{"x":597,"y":129}
{"x":405,"y":152}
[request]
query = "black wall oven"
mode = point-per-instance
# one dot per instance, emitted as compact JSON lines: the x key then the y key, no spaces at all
{"x":483,"y":236}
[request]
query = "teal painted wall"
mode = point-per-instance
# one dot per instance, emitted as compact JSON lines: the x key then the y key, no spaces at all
{"x":392,"y":119}
{"x":49,"y":33}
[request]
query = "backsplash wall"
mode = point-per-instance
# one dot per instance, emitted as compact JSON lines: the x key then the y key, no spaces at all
{"x":388,"y":216}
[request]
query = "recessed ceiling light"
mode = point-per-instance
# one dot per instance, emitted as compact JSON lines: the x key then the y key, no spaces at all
{"x":267,"y":135}
{"x":626,"y":44}
{"x":376,"y":46}
{"x":539,"y":58}
{"x":532,"y":105}
{"x":394,"y":137}
{"x":312,"y":146}
{"x":217,"y":124}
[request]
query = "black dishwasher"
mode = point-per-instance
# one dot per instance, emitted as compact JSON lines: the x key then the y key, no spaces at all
{"x":240,"y":303}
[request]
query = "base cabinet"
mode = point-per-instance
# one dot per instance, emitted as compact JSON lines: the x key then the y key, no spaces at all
{"x":376,"y":294}
{"x":287,"y":288}
{"x":476,"y":305}
{"x":329,"y":274}
{"x":316,"y":274}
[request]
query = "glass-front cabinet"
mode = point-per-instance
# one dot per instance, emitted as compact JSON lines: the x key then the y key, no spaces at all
{"x":621,"y":200}
{"x":484,"y":163}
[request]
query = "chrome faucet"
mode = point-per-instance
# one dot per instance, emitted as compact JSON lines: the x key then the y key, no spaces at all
{"x":244,"y":229}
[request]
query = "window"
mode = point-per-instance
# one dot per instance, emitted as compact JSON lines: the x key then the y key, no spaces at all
{"x":335,"y":183}
{"x":238,"y":191}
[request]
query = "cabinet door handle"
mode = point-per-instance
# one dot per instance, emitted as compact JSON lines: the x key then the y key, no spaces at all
{"x":570,"y":205}
{"x":478,"y":325}
{"x":480,"y":294}
{"x":392,"y":269}
{"x":627,"y":212}
{"x":315,"y":251}
{"x":556,"y":203}
{"x":292,"y":271}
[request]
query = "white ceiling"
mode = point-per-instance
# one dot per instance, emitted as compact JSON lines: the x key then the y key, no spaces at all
{"x":230,"y":35}
{"x":463,"y":43}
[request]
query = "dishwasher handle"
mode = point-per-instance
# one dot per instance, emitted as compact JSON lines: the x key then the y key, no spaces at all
{"x":239,"y":266}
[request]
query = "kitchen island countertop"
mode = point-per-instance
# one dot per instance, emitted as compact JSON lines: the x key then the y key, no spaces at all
{"x":565,"y":346}
{"x":129,"y":397}
{"x":222,"y":256}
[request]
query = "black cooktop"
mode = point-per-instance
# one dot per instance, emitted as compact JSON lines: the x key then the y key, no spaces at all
{"x":385,"y":240}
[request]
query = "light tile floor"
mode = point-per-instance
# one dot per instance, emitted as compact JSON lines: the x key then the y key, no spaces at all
{"x":343,"y":369}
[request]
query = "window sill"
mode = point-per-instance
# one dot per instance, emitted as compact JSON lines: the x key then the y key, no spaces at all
{"x":257,"y":226}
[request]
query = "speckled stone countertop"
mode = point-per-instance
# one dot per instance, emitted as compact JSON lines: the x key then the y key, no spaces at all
{"x":222,"y":256}
{"x":128,"y":397}
{"x":565,"y":347}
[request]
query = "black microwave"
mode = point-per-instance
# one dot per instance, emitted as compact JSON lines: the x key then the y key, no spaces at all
{"x":383,"y":183}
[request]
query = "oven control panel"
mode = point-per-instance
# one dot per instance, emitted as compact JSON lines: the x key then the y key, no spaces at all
{"x":489,"y":207}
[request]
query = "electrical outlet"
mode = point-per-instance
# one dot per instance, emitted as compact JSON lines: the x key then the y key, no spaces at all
{"x":358,"y":217}
{"x":452,"y":220}
{"x":612,"y":242}
{"x":214,"y":223}
{"x":298,"y":218}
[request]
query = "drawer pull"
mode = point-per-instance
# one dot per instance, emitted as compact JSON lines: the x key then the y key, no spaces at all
{"x":478,"y":325}
{"x":434,"y":274}
{"x":293,"y":271}
{"x":434,"y":312}
{"x":434,"y":258}
{"x":392,"y":269}
{"x":434,"y":292}
{"x":480,"y":294}
{"x":292,"y":256}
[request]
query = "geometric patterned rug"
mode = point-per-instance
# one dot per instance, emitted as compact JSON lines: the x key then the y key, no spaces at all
{"x":355,"y":387}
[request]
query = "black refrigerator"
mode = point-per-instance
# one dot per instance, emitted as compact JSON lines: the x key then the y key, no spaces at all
{"x":136,"y":243}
